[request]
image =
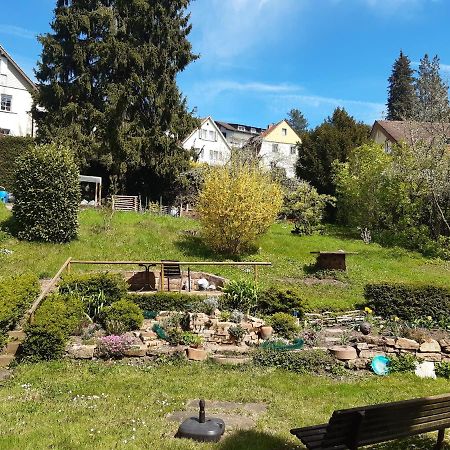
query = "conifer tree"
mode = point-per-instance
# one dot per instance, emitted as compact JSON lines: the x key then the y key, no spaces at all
{"x":432,"y":92}
{"x":107,"y":88}
{"x":297,"y":121}
{"x":401,"y":93}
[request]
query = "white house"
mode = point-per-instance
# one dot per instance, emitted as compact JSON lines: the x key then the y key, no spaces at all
{"x":15,"y":98}
{"x":237,"y":135}
{"x":277,"y":147}
{"x":209,"y":143}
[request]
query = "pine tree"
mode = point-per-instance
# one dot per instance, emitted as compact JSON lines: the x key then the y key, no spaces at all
{"x":297,"y":121}
{"x":107,"y":88}
{"x":401,"y":93}
{"x":432,"y":92}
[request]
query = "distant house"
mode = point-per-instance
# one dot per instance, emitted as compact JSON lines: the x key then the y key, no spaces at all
{"x":390,"y":132}
{"x":15,"y":98}
{"x":209,"y":143}
{"x":277,"y":147}
{"x":237,"y":135}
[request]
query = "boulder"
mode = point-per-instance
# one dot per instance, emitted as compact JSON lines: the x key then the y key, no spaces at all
{"x":358,"y":363}
{"x":136,"y":351}
{"x":406,"y":344}
{"x":430,"y":346}
{"x":434,"y":357}
{"x":369,"y":354}
{"x":80,"y":351}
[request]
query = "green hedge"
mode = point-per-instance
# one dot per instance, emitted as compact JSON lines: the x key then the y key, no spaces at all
{"x":112,"y":285}
{"x":16,"y":295}
{"x":168,"y":301}
{"x":125,"y":312}
{"x":11,"y":147}
{"x":408,"y":302}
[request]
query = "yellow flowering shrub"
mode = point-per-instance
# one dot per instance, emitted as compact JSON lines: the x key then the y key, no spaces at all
{"x":237,"y":204}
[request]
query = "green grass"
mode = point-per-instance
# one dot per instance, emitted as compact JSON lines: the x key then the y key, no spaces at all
{"x":141,"y":236}
{"x":43,"y":406}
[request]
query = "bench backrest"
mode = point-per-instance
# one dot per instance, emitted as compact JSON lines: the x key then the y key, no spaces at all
{"x":172,"y":269}
{"x":380,"y":423}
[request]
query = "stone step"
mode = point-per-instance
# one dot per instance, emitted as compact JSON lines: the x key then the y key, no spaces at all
{"x":12,"y":347}
{"x":6,"y":360}
{"x":17,"y":335}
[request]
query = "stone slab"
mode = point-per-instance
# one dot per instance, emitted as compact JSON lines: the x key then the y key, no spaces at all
{"x":406,"y":344}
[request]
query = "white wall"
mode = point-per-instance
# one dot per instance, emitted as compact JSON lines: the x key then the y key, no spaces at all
{"x":18,"y":120}
{"x":283,"y":158}
{"x":212,"y":147}
{"x":236,"y":138}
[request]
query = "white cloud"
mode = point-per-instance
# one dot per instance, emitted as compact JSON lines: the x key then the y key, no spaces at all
{"x":13,"y":30}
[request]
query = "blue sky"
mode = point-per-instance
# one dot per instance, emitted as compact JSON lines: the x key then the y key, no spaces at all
{"x":260,"y":58}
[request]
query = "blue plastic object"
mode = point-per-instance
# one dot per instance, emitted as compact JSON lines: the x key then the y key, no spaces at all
{"x":380,"y":365}
{"x":3,"y":196}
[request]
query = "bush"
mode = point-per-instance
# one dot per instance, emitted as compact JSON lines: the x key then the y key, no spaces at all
{"x":43,"y":343}
{"x":408,"y":302}
{"x":442,"y":369}
{"x":11,"y":148}
{"x":284,"y":325}
{"x":112,"y":285}
{"x":402,"y":363}
{"x":168,"y":301}
{"x":47,"y":191}
{"x":237,"y":333}
{"x":114,"y":346}
{"x":304,"y":362}
{"x":306,"y":207}
{"x":275,"y":300}
{"x":237,"y":204}
{"x":240,"y":295}
{"x":125,"y":312}
{"x":16,"y":296}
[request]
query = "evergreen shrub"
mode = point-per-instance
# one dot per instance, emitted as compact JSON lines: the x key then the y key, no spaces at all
{"x":125,"y":312}
{"x":275,"y":300}
{"x":284,"y":325}
{"x":47,"y":191}
{"x":408,"y":302}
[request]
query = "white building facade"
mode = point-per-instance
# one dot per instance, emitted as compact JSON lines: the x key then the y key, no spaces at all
{"x":237,"y":135}
{"x":15,"y":98}
{"x":208,"y":143}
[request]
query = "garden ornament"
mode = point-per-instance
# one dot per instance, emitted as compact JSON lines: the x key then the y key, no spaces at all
{"x":365,"y":328}
{"x":202,"y":429}
{"x":203,"y":284}
{"x":380,"y":365}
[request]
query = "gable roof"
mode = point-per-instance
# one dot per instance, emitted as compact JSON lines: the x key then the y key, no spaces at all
{"x":215,"y":126}
{"x":274,"y":126}
{"x":409,"y":132}
{"x":28,"y":80}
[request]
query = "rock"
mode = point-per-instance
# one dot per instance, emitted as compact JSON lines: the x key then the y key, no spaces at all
{"x":369,"y":354}
{"x":231,"y":360}
{"x":430,"y":346}
{"x":197,"y":354}
{"x":358,"y":363}
{"x":362,"y":346}
{"x":148,"y":336}
{"x":444,"y":342}
{"x":80,"y":351}
{"x":434,"y":357}
{"x":389,"y":342}
{"x":374,"y":340}
{"x":337,"y":331}
{"x":365,"y":328}
{"x":4,"y":374}
{"x":406,"y":344}
{"x":343,"y":353}
{"x":136,"y":351}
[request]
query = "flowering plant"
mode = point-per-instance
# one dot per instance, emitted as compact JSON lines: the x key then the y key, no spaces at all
{"x":114,"y":346}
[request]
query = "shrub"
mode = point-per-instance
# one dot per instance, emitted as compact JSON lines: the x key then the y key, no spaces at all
{"x":125,"y":312}
{"x":274,"y":300}
{"x":114,"y":346}
{"x":442,"y":369}
{"x":11,"y":148}
{"x":210,"y":305}
{"x":47,"y":191}
{"x":167,"y":301}
{"x":240,"y":295}
{"x":43,"y":343}
{"x":306,"y":207}
{"x":306,"y":361}
{"x":16,"y":296}
{"x":112,"y":285}
{"x":284,"y":325}
{"x":408,"y":302}
{"x":405,"y":362}
{"x":237,"y":204}
{"x":236,"y":316}
{"x":237,"y":333}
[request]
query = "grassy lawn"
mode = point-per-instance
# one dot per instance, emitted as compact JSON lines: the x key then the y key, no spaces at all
{"x":66,"y":405}
{"x":141,"y":236}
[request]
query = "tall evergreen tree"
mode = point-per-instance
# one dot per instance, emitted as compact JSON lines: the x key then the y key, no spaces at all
{"x":432,"y":92}
{"x":332,"y":140}
{"x":297,"y":121}
{"x":401,"y":93}
{"x":107,"y":87}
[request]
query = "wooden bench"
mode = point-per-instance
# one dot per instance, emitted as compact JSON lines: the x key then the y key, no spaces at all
{"x":354,"y":428}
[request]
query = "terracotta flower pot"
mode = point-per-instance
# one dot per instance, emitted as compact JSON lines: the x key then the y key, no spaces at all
{"x":196,"y":354}
{"x":265,"y":332}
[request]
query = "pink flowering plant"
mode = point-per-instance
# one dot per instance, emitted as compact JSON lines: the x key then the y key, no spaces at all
{"x":114,"y":346}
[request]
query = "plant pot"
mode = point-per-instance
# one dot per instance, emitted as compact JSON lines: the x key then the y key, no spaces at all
{"x":265,"y":332}
{"x":196,"y":354}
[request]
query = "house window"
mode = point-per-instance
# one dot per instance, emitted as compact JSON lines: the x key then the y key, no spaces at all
{"x":3,"y":79}
{"x":253,"y":130}
{"x":5,"y":102}
{"x":224,"y":134}
{"x":241,"y":128}
{"x":293,"y":149}
{"x":284,"y":131}
{"x":4,"y":132}
{"x":275,"y":148}
{"x":388,"y":147}
{"x":212,"y":135}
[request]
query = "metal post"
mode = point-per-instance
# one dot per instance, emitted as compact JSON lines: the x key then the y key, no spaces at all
{"x":162,"y":277}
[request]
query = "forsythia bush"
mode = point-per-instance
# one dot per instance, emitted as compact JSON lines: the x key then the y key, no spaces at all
{"x":237,"y":204}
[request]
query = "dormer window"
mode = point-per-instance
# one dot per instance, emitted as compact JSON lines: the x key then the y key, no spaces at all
{"x":253,"y":130}
{"x":241,"y":128}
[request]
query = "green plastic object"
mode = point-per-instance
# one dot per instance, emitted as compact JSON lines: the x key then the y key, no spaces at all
{"x":150,"y":314}
{"x":274,"y":345}
{"x":158,"y":329}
